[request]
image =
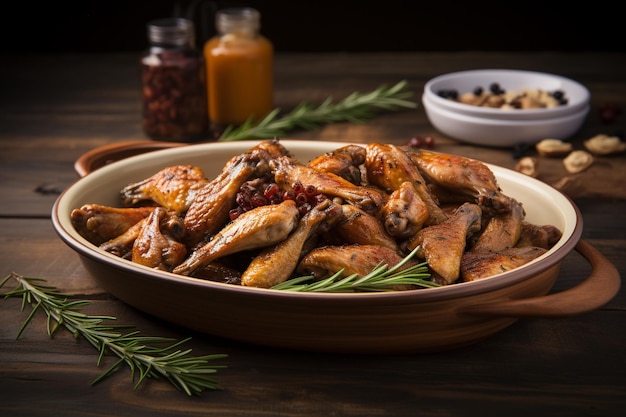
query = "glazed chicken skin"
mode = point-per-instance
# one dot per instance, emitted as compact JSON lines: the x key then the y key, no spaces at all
{"x":122,"y":245}
{"x":155,"y":248}
{"x":344,"y":162}
{"x":404,"y":213}
{"x":209,"y":211}
{"x":462,"y":177}
{"x":360,"y":227}
{"x":258,"y":228}
{"x":502,"y":231}
{"x":479,"y":265}
{"x":389,"y":166}
{"x":287,"y":171}
{"x":174,"y":188}
{"x":542,"y":236}
{"x":275,"y":265}
{"x":443,"y":245}
{"x":325,"y":261}
{"x":98,"y":223}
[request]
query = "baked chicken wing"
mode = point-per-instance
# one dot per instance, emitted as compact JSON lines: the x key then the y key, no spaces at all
{"x":461,"y":176}
{"x":154,"y":247}
{"x":443,"y":245}
{"x":209,"y":211}
{"x":288,"y":171}
{"x":258,"y":228}
{"x":276,"y":264}
{"x":389,"y":166}
{"x":174,"y":188}
{"x":344,"y":161}
{"x":98,"y":223}
{"x":325,"y":261}
{"x":478,"y":265}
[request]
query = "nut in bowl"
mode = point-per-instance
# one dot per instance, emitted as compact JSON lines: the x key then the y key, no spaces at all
{"x":416,"y":320}
{"x":560,"y":106}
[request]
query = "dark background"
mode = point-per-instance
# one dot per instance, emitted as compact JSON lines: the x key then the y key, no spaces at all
{"x":327,"y":26}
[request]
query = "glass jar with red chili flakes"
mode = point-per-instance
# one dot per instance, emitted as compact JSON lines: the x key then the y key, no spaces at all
{"x":173,"y":78}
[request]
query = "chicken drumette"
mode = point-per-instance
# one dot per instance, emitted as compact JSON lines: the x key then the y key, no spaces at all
{"x":390,"y":168}
{"x":98,"y":223}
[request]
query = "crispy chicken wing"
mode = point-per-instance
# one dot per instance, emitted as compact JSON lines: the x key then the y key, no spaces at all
{"x":360,"y":227}
{"x":502,"y":231}
{"x":209,"y":211}
{"x":389,"y":166}
{"x":443,"y":245}
{"x":478,"y":265}
{"x":325,"y":261}
{"x":122,"y":245}
{"x":461,"y":176}
{"x":344,"y":161}
{"x":287,"y":171}
{"x":543,"y":236}
{"x":258,"y":228}
{"x":154,"y":247}
{"x":174,"y":188}
{"x":276,"y":264}
{"x":404,"y":213}
{"x":98,"y":223}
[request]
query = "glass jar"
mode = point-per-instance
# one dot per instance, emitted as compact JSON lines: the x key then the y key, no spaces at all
{"x":239,"y":63}
{"x":173,"y":78}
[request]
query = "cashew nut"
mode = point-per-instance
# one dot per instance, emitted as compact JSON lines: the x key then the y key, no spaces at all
{"x":553,"y":147}
{"x":605,"y":145}
{"x":528,"y":166}
{"x":578,"y":161}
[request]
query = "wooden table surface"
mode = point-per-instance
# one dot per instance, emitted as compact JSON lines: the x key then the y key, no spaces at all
{"x":55,"y":108}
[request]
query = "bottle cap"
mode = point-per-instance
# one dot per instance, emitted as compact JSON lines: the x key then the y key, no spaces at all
{"x":238,"y":19}
{"x":171,"y":31}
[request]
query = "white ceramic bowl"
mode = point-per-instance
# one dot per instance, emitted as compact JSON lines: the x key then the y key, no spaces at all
{"x":496,"y":127}
{"x":511,"y":80}
{"x":498,"y":132}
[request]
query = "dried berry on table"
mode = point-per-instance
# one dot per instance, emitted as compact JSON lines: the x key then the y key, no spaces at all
{"x":421,"y":142}
{"x":609,"y":111}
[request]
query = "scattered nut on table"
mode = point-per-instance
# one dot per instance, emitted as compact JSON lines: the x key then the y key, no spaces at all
{"x":553,"y":147}
{"x":528,"y":166}
{"x":604,"y":145}
{"x":578,"y":161}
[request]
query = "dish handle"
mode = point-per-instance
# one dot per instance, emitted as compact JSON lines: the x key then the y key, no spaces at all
{"x":103,"y":155}
{"x":595,"y":291}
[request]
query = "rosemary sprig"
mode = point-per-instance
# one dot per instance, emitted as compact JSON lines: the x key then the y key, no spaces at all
{"x":189,"y":374}
{"x":357,"y":108}
{"x":380,"y":279}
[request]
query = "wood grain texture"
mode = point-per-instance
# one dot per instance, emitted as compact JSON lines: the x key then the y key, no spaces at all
{"x":560,"y":367}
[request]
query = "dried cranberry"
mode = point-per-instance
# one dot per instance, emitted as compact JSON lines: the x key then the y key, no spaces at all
{"x":421,"y":142}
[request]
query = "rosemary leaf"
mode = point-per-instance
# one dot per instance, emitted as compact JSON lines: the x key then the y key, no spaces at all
{"x":189,"y":374}
{"x":356,"y":108}
{"x":380,"y":279}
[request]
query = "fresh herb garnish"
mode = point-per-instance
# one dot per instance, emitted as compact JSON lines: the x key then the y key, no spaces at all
{"x":357,"y":108}
{"x":189,"y":374}
{"x":380,"y":279}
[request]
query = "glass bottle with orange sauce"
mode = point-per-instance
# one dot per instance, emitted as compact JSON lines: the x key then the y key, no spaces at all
{"x":239,"y":65}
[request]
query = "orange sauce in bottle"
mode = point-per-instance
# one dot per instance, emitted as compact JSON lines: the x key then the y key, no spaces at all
{"x":239,"y":65}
